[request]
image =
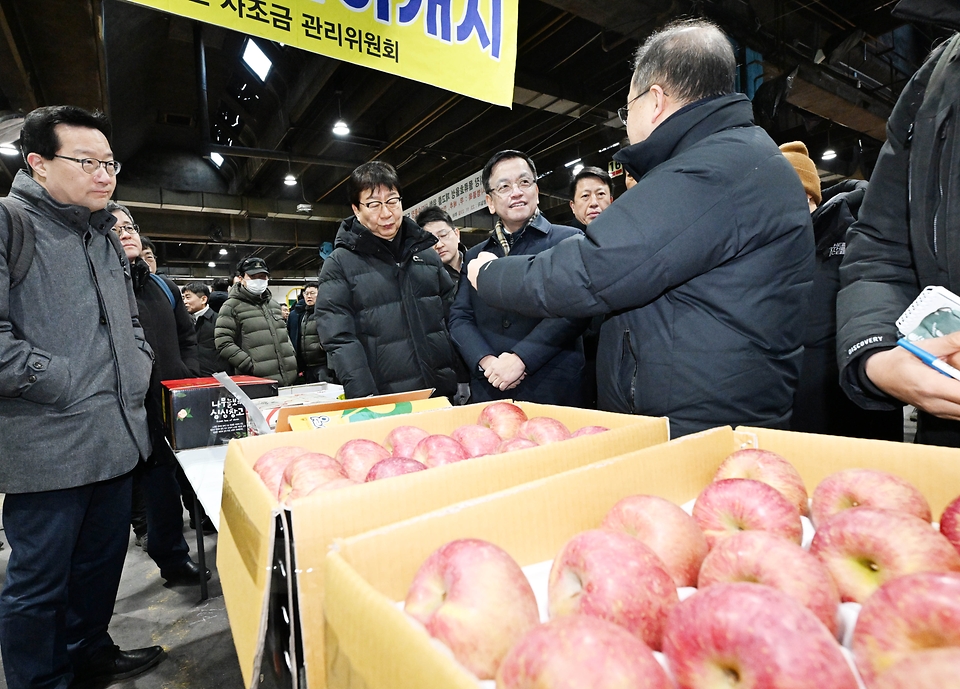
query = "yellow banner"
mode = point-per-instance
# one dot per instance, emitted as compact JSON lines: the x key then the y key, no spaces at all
{"x":465,"y":46}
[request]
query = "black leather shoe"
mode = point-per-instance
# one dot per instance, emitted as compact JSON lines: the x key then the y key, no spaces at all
{"x":186,"y":574}
{"x":208,"y":527}
{"x":111,"y":665}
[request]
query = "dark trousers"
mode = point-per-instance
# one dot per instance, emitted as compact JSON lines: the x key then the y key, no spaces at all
{"x":161,"y":498}
{"x":66,"y":557}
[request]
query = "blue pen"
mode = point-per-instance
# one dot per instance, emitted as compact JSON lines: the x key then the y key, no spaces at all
{"x":929,"y":359}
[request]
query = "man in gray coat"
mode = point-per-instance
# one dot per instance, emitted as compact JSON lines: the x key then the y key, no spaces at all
{"x":71,"y":407}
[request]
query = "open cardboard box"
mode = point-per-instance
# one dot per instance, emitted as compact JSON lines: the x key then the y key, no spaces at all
{"x":283,"y":417}
{"x":252,"y":521}
{"x":371,"y":644}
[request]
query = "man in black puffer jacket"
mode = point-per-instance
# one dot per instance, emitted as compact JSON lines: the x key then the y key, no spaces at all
{"x":169,"y":330}
{"x":906,"y":239}
{"x":384,"y":295}
{"x":302,"y":326}
{"x":250,"y":334}
{"x":703,"y":268}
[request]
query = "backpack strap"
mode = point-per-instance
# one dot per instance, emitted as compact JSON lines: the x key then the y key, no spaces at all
{"x":166,"y":289}
{"x":21,"y":241}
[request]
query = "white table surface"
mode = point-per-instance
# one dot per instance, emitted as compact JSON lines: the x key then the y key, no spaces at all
{"x":204,"y":469}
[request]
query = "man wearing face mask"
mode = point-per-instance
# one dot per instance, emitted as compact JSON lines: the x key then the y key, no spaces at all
{"x":250,"y":334}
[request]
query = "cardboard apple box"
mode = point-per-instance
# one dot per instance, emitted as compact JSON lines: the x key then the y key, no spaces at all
{"x":371,"y":643}
{"x":252,"y":521}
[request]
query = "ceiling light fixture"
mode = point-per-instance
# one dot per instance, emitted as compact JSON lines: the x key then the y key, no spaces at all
{"x":576,"y":169}
{"x":9,"y":150}
{"x":256,"y":59}
{"x":216,"y":159}
{"x":340,"y":127}
{"x":289,"y":180}
{"x":223,"y":252}
{"x":211,"y":264}
{"x":572,"y":162}
{"x":828,"y":154}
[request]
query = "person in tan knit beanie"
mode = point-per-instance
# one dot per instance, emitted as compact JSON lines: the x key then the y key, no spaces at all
{"x":796,"y":153}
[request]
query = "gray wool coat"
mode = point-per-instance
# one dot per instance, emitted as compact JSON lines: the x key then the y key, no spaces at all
{"x":74,"y":367}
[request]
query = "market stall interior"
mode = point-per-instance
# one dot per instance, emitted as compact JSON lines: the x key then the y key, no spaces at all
{"x":260,"y":168}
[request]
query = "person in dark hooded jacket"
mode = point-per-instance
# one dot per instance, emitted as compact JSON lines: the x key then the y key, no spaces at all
{"x":384,"y":296}
{"x":302,"y":326}
{"x":906,"y":239}
{"x":702,"y":269}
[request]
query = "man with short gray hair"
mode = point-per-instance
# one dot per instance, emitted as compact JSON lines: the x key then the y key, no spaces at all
{"x":703,"y":268}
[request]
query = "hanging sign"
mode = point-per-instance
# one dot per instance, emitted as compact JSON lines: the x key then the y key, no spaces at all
{"x":465,"y":46}
{"x":459,"y":200}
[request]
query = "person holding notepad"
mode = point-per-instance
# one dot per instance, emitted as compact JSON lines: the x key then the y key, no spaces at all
{"x":907,"y":239}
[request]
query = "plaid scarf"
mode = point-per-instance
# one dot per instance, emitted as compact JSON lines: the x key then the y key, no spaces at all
{"x":505,"y":239}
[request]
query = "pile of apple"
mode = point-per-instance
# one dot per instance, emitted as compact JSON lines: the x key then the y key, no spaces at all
{"x":764,"y":614}
{"x":292,"y":472}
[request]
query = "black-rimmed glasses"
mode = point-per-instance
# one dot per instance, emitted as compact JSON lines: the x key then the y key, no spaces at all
{"x":128,"y":228}
{"x":392,"y":204}
{"x":91,"y":165}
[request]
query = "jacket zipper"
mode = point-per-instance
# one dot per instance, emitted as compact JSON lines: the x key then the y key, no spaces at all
{"x":941,"y":142}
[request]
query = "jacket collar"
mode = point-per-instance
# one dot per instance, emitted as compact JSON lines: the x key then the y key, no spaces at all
{"x":77,"y":218}
{"x":357,"y":238}
{"x":944,"y":13}
{"x":685,"y":128}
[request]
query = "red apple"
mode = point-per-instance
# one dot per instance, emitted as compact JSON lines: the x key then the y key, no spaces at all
{"x":936,"y":668}
{"x":753,"y":637}
{"x":503,"y":417}
{"x":477,"y":440}
{"x":866,"y":488}
{"x":589,"y":430}
{"x":666,"y":529}
{"x":615,"y":577}
{"x":515,"y":444}
{"x":394,"y":466}
{"x":765,"y":558}
{"x":472,"y":596}
{"x":864,"y":548}
{"x":402,"y":440}
{"x":543,"y":430}
{"x":770,"y":468}
{"x":740,"y":504}
{"x":435,"y":450}
{"x":908,"y":614}
{"x":358,"y":456}
{"x":270,"y":465}
{"x":580,"y":652}
{"x":307,"y":473}
{"x":950,"y":523}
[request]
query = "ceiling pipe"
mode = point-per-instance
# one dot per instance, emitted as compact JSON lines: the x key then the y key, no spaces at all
{"x":202,"y":102}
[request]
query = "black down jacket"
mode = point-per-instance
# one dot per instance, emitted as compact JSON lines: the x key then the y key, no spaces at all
{"x":703,"y":269}
{"x":382,"y":321}
{"x":907,"y":234}
{"x":251,"y":336}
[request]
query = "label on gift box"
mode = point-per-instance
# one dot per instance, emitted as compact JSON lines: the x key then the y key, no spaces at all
{"x":307,"y":422}
{"x":200,"y":412}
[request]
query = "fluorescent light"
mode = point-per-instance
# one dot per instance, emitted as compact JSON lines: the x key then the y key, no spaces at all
{"x":829,"y":154}
{"x":607,"y":148}
{"x":576,"y":169}
{"x":256,"y":60}
{"x":211,"y":265}
{"x":289,"y":180}
{"x":217,"y":159}
{"x":572,"y":162}
{"x":9,"y":150}
{"x":340,"y":128}
{"x":223,"y":252}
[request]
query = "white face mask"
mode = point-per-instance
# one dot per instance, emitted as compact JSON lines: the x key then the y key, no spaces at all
{"x":257,"y":286}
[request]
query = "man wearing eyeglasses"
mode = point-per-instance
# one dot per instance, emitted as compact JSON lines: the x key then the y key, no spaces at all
{"x":702,"y":269}
{"x":438,"y":222}
{"x":511,"y":355}
{"x":72,"y":392}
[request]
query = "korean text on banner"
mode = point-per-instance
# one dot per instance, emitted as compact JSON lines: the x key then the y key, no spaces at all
{"x":465,"y":46}
{"x":459,"y":200}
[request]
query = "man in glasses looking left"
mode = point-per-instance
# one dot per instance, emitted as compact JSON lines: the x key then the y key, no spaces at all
{"x":72,"y":389}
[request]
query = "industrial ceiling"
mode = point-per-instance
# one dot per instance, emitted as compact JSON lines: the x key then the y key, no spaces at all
{"x":823,"y":71}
